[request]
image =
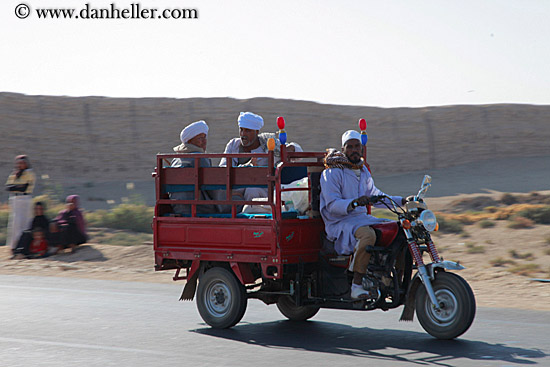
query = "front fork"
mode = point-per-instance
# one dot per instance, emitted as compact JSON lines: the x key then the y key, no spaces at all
{"x":422,"y":270}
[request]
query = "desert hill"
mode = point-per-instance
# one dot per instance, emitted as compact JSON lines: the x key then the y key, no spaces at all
{"x":97,"y":139}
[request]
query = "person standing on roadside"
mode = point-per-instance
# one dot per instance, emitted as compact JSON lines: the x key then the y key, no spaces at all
{"x":20,"y":185}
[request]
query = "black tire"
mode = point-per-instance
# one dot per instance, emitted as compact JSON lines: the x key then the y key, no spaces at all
{"x":288,"y":308}
{"x":221,"y":298}
{"x":459,"y":306}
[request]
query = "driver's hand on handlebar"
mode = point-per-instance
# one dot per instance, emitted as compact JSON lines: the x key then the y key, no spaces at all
{"x":365,"y":200}
{"x":362,"y":201}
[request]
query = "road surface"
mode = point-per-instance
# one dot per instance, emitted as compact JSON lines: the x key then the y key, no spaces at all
{"x":54,"y":321}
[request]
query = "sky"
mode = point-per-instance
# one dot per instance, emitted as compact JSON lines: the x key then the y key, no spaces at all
{"x":367,"y":53}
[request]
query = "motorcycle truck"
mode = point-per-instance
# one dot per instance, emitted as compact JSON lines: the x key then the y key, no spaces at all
{"x":282,"y":257}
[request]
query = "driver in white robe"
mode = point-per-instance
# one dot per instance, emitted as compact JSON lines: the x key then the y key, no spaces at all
{"x":346,"y":185}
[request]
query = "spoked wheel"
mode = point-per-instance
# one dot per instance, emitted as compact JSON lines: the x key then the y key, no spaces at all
{"x":457,"y":307}
{"x":221,"y":298}
{"x":288,"y":308}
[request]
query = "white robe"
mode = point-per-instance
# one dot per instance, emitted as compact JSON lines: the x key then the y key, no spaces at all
{"x":251,"y":192}
{"x":233,"y":148}
{"x":339,"y":187}
{"x":20,"y":218}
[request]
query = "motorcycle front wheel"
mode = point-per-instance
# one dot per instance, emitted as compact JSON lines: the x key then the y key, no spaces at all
{"x":457,"y":306}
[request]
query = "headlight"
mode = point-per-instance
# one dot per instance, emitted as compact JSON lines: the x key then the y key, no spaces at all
{"x":428,"y":220}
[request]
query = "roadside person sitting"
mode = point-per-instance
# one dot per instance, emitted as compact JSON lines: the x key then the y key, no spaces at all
{"x":346,"y":185}
{"x":39,"y":245}
{"x":40,"y":221}
{"x":36,"y":248}
{"x":70,"y":227}
{"x":194,"y":138}
{"x":250,"y":140}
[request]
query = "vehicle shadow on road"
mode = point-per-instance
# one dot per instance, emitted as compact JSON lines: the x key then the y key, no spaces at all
{"x":375,"y":344}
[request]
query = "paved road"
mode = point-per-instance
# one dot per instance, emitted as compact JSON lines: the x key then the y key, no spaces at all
{"x":47,"y":321}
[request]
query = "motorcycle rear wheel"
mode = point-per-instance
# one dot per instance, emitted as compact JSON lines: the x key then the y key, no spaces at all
{"x":288,"y":308}
{"x":457,"y":306}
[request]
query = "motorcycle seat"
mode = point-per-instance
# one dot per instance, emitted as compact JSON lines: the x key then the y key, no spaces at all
{"x":329,"y":254}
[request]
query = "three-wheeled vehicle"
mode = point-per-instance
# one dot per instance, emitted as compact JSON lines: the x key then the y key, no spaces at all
{"x":283,"y":257}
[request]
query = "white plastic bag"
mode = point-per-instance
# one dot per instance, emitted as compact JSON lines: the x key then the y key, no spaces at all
{"x":300,"y":199}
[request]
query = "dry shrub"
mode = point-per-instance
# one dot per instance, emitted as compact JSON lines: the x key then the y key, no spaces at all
{"x":525,"y":269}
{"x":491,"y":209}
{"x":465,"y":218}
{"x":520,"y":223}
{"x":516,"y":255}
{"x":508,"y":199}
{"x":501,"y":262}
{"x":506,"y":213}
{"x":449,"y":225}
{"x":472,"y":248}
{"x":476,"y":203}
{"x":486,"y":223}
{"x":540,"y":215}
{"x":465,"y":234}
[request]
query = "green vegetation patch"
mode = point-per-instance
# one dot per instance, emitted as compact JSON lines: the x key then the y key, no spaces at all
{"x":472,"y":248}
{"x":538,"y":215}
{"x":519,"y":222}
{"x":133,"y":217}
{"x":449,"y":225}
{"x":125,"y":239}
{"x":486,"y":223}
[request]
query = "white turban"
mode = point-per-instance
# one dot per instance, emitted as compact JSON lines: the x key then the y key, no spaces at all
{"x":350,"y":134}
{"x":297,"y":147}
{"x":193,"y":130}
{"x":249,"y":120}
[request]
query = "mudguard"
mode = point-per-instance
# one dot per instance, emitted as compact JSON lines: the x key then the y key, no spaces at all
{"x":445,"y":264}
{"x":190,"y":287}
{"x":408,"y":310}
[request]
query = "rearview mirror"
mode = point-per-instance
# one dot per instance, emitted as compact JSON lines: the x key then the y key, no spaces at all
{"x":426,"y":182}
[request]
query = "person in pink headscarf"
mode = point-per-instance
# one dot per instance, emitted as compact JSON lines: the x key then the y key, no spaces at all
{"x":71,"y":226}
